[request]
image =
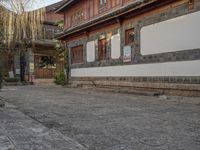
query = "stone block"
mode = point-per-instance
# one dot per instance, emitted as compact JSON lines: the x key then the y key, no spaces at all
{"x":2,"y":103}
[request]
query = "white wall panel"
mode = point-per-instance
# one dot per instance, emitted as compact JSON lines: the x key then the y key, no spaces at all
{"x":115,"y":46}
{"x":91,"y":51}
{"x":182,"y":68}
{"x":176,"y":34}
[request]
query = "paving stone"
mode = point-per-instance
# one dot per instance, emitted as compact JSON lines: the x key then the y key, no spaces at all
{"x":5,"y":143}
{"x":27,"y":134}
{"x":2,"y":102}
{"x":53,"y":117}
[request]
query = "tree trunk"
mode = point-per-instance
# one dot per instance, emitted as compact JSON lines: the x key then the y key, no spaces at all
{"x":22,"y":67}
{"x":1,"y":77}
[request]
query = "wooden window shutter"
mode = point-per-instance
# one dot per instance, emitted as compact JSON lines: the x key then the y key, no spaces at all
{"x":77,"y":54}
{"x":102,"y":49}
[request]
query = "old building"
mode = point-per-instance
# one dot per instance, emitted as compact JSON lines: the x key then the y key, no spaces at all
{"x":46,"y":58}
{"x":151,"y":44}
{"x":40,"y":62}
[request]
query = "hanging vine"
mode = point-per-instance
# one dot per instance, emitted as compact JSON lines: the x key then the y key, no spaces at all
{"x":21,"y":28}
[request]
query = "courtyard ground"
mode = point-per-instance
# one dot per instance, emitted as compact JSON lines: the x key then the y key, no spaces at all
{"x":57,"y":118}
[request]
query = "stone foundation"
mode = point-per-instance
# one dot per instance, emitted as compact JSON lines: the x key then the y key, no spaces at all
{"x":167,"y":70}
{"x":142,"y":84}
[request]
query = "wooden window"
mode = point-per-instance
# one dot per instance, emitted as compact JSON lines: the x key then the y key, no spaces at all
{"x":130,"y":36}
{"x":102,"y":2}
{"x":102,"y":49}
{"x":102,"y":6}
{"x":191,"y":4}
{"x":77,"y":16}
{"x":77,"y":54}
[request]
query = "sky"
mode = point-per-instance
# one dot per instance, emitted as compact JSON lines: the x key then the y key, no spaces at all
{"x":33,"y":4}
{"x":44,"y":3}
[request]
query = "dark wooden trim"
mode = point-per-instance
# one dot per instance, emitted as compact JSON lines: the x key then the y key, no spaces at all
{"x":125,"y":12}
{"x":148,"y":8}
{"x":64,"y":5}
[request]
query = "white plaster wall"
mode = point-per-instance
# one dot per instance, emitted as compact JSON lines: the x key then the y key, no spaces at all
{"x":176,"y":34}
{"x":182,"y":68}
{"x":115,"y":46}
{"x":91,"y":51}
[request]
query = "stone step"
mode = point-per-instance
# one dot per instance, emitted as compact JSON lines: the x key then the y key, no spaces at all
{"x":127,"y":90}
{"x":143,"y":92}
{"x":44,"y":82}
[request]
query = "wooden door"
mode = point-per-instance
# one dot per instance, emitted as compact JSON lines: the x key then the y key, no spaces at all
{"x":46,"y":71}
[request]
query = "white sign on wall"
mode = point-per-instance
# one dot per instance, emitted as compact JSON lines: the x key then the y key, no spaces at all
{"x":115,"y":46}
{"x":31,"y":67}
{"x":127,"y":54}
{"x":181,"y":33}
{"x":91,"y":51}
{"x":11,"y":74}
{"x":17,"y":71}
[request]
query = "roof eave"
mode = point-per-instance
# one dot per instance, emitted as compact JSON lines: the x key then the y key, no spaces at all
{"x":139,"y":4}
{"x":62,"y":7}
{"x":65,"y":33}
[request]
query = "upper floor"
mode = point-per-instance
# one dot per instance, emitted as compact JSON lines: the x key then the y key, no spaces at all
{"x":51,"y":16}
{"x":51,"y":20}
{"x":79,"y":11}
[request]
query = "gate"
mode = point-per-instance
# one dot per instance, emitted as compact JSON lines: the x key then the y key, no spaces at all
{"x":45,"y":67}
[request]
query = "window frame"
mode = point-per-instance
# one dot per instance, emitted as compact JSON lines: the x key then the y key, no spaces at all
{"x":77,"y":59}
{"x":127,"y":33}
{"x":191,"y":4}
{"x":77,"y":16}
{"x":102,"y":54}
{"x":102,"y":2}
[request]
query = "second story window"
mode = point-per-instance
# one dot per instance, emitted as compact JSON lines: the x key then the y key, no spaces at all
{"x":102,"y":2}
{"x":77,"y":16}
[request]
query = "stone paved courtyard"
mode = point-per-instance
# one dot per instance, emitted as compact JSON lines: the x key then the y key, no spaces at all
{"x":57,"y":118}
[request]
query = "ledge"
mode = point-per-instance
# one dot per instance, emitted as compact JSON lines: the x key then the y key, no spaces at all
{"x":164,"y":88}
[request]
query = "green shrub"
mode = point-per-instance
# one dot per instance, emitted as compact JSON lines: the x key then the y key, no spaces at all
{"x":60,"y":78}
{"x":12,"y":80}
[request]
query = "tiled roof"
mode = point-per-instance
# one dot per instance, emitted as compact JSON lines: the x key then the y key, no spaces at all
{"x":53,"y":7}
{"x":64,"y":5}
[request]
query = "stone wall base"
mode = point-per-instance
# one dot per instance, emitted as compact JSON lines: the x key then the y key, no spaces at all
{"x":179,"y":89}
